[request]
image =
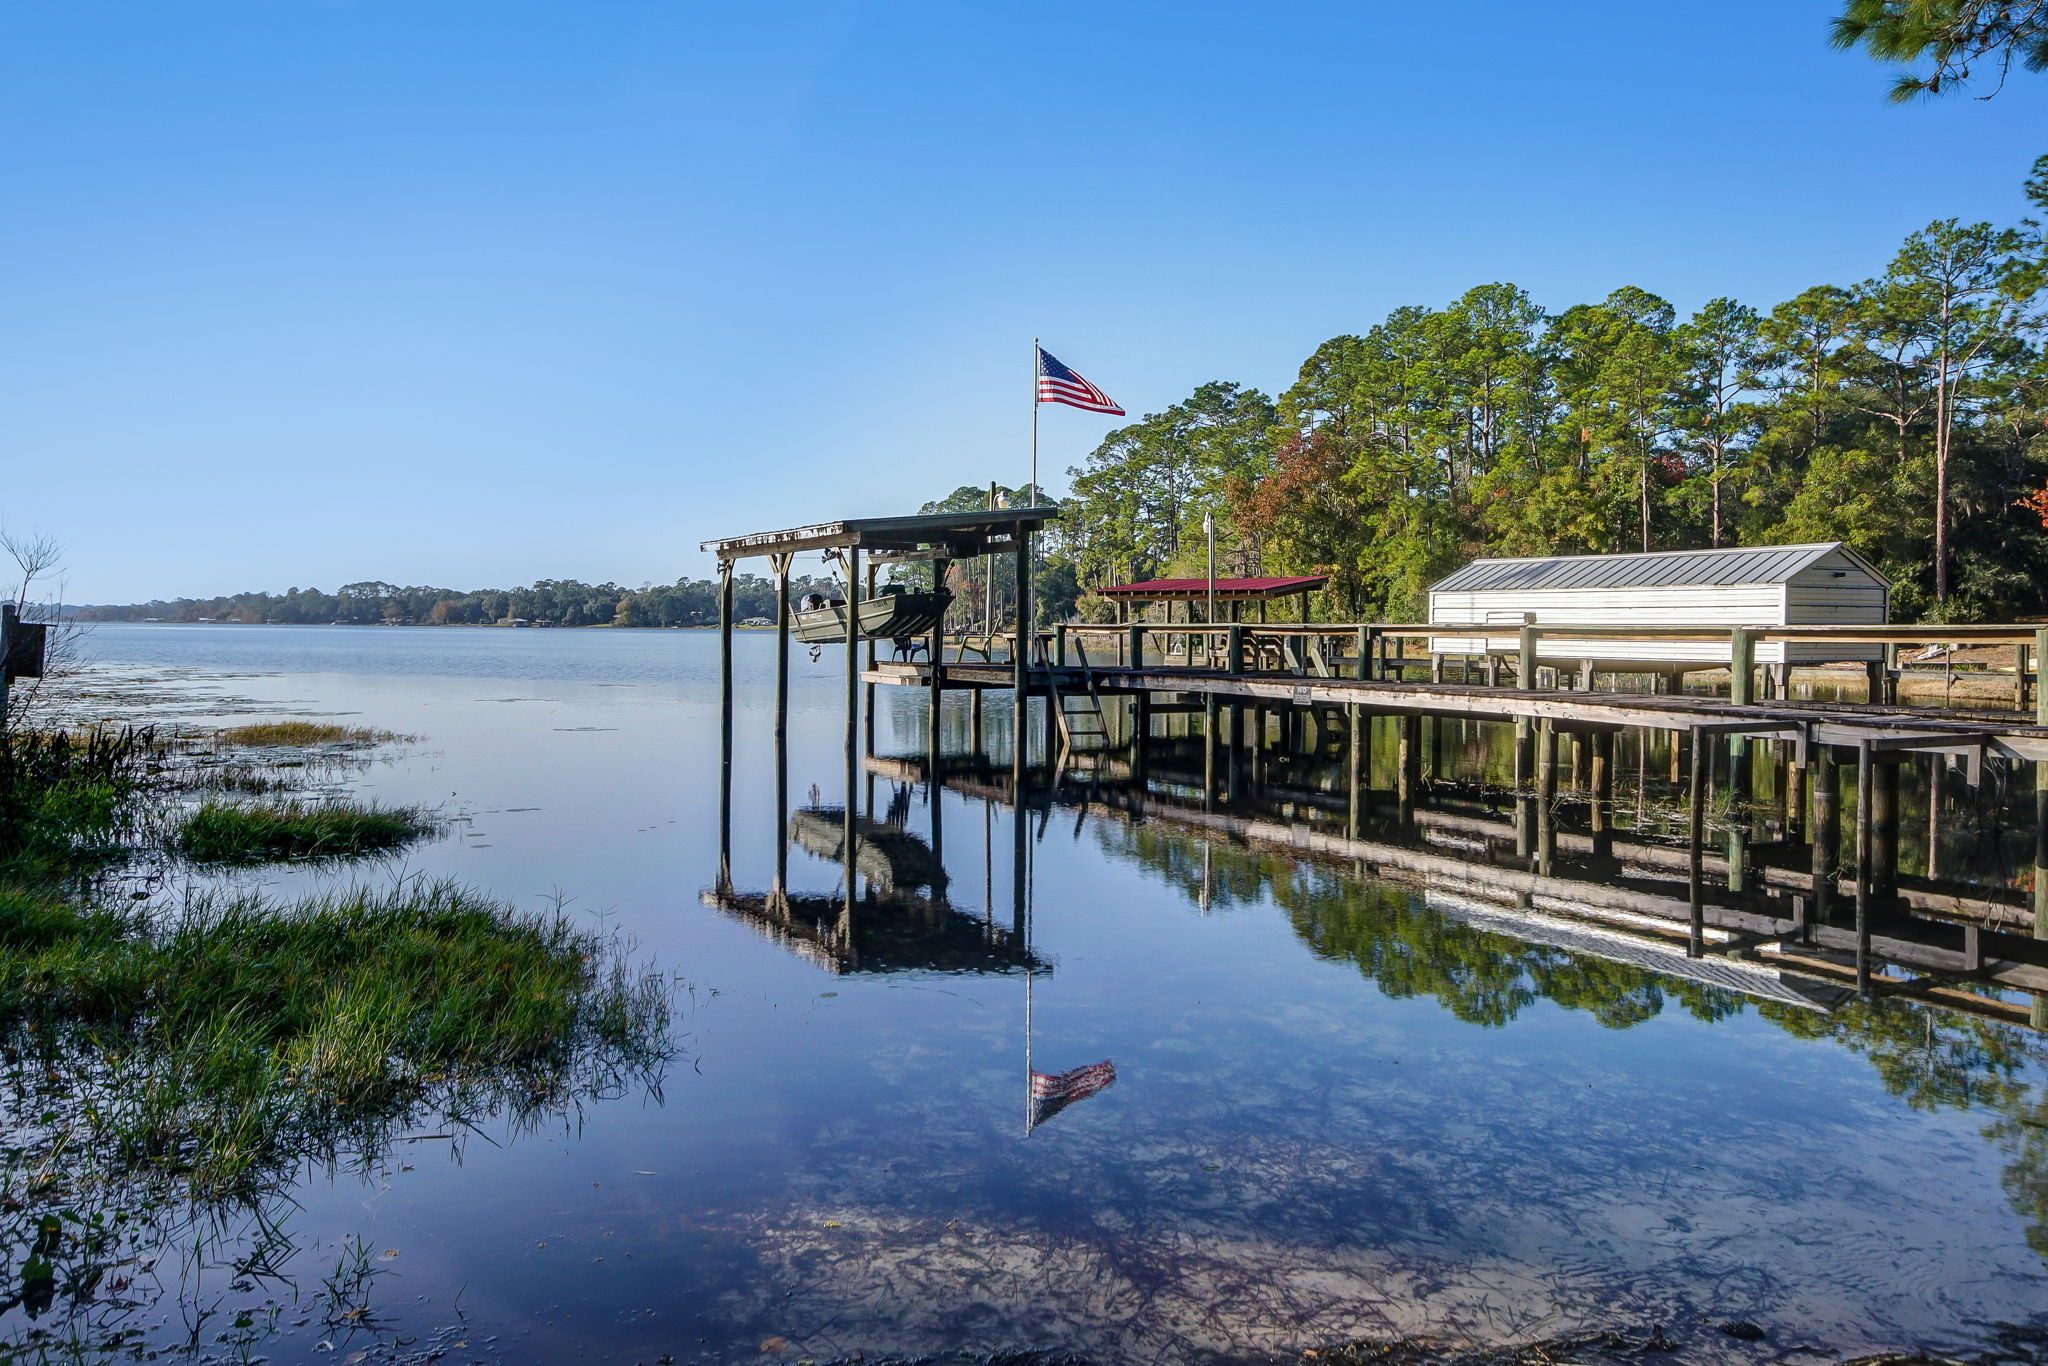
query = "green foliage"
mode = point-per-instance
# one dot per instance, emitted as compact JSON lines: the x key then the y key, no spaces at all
{"x":1953,"y":37}
{"x":1905,"y":415}
{"x":63,"y":796}
{"x":237,"y":1039}
{"x":259,"y":832}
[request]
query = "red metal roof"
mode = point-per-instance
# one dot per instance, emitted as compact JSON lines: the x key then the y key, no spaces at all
{"x":1195,"y":588}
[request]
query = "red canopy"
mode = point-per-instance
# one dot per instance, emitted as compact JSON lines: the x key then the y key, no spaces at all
{"x":1229,"y":590}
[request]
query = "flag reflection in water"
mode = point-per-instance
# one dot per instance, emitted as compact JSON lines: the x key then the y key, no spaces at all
{"x":1052,"y":1094}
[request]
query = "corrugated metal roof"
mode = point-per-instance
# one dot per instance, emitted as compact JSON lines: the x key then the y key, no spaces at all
{"x":1659,"y":569}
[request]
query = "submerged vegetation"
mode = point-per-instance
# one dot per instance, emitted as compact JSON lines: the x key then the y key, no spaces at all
{"x":279,"y":733}
{"x":255,"y":832}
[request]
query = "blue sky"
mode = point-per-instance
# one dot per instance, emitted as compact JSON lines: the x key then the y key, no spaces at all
{"x":474,"y":293}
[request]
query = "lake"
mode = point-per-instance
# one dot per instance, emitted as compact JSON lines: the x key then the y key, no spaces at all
{"x":1344,"y":1105}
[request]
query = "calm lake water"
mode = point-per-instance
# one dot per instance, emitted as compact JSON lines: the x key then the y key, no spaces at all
{"x":1342,"y":1107}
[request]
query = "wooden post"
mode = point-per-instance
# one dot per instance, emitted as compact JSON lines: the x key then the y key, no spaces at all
{"x":2039,"y":1008}
{"x":1354,"y":769}
{"x":1792,"y":794}
{"x":1525,"y":667}
{"x":1525,"y":761}
{"x":1827,"y":834}
{"x":1492,"y":670}
{"x":2019,"y":678}
{"x":10,"y":615}
{"x":1361,"y":667}
{"x":1410,"y":768}
{"x":1937,"y":771}
{"x":781,"y":888}
{"x":2040,"y":692}
{"x":1603,"y":793}
{"x":853,"y":650}
{"x":781,"y":565}
{"x":724,"y":718}
{"x":1546,"y":796}
{"x":726,"y":662}
{"x":1866,"y":798}
{"x":1884,"y":832}
{"x":1739,"y":783}
{"x":1436,"y":667}
{"x":1235,"y":649}
{"x":1020,"y":665}
{"x":936,"y":648}
{"x":1873,"y":676}
{"x":1136,"y":644}
{"x":1209,"y":752}
{"x":1696,"y":833}
{"x":1741,"y":665}
{"x":1059,"y":648}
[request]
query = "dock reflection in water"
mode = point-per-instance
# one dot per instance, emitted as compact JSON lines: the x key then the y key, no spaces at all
{"x":1255,"y":1185}
{"x":1434,"y":880}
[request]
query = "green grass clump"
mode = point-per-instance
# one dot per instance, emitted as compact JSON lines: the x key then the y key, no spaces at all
{"x":259,"y":832}
{"x":244,"y":1037}
{"x":273,"y":733}
{"x":64,"y":797}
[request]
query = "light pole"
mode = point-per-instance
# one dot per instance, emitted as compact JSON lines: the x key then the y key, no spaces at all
{"x":1209,"y":530}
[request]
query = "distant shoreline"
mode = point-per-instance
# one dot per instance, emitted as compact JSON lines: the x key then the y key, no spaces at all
{"x":428,"y":625}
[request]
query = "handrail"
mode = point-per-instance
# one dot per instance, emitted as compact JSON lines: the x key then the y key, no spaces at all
{"x":1871,"y":634}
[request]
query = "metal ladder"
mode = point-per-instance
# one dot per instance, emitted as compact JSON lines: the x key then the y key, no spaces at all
{"x":1079,"y":713}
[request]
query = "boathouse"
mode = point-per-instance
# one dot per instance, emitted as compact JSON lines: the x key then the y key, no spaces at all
{"x":1825,"y":584}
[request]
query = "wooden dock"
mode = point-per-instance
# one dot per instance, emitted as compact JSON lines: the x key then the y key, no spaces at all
{"x":1086,"y":694}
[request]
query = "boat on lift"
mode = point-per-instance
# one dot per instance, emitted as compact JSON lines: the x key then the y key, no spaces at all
{"x":896,"y":613}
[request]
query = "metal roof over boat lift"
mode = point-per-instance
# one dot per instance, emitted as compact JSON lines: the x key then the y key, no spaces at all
{"x":957,"y":535}
{"x":1227,"y":590}
{"x":1656,"y":569}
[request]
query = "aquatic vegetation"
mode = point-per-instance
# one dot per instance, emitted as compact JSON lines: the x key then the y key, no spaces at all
{"x":242,"y":1034}
{"x":253,"y":832}
{"x":283,"y":733}
{"x":163,"y":1080}
{"x":63,"y":795}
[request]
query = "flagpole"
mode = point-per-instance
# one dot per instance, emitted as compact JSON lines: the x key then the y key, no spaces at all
{"x":1034,"y":421}
{"x":1029,"y":1105}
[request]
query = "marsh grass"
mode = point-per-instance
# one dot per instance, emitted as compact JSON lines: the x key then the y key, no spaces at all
{"x":271,"y":734}
{"x":242,"y":1037}
{"x":65,"y":796}
{"x":240,"y":831}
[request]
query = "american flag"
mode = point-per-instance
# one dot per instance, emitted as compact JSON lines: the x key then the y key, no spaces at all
{"x":1052,"y":1094}
{"x":1058,"y":384}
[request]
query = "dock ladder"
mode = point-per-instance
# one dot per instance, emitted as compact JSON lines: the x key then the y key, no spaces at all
{"x":1079,"y":712}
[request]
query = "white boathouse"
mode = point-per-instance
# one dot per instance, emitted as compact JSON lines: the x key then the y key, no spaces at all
{"x":1826,"y":584}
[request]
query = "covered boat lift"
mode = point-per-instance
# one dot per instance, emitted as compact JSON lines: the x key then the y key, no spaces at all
{"x":936,"y":537}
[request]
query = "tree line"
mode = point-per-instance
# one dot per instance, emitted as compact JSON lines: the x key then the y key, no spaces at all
{"x":547,"y":602}
{"x":1903,"y":414}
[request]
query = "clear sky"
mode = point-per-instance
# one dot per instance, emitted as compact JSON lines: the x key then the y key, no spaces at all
{"x":475,"y":293}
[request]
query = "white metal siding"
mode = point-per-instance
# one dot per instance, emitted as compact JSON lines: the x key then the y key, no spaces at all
{"x":1825,"y":601}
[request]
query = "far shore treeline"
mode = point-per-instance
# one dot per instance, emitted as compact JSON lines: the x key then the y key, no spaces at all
{"x":548,"y":602}
{"x":1906,"y":414}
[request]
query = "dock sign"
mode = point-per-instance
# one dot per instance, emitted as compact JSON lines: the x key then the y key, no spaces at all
{"x":22,"y":655}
